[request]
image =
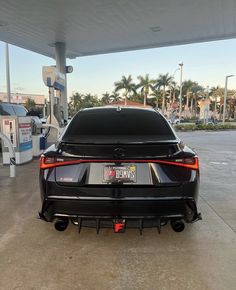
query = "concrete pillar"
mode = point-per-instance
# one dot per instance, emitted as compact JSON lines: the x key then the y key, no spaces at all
{"x":60,"y":55}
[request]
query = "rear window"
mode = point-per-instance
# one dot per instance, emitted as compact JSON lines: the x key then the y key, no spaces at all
{"x":20,"y":111}
{"x":127,"y":123}
{"x":6,"y":109}
{"x":12,"y":110}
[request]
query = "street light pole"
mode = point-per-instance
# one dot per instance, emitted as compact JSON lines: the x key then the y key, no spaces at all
{"x":225,"y":96}
{"x":8,"y":73}
{"x":173,"y":76}
{"x":180,"y":90}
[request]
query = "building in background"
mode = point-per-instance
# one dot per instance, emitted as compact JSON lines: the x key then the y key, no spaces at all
{"x":129,"y":103}
{"x":21,"y":99}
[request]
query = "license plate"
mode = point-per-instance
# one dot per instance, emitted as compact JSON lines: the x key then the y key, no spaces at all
{"x":120,"y":173}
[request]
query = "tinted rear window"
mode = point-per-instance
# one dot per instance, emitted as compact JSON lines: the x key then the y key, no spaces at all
{"x":129,"y":123}
{"x":12,"y":110}
{"x":20,"y":111}
{"x":6,"y":109}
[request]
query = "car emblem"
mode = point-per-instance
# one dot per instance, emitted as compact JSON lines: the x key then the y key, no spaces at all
{"x":119,"y":153}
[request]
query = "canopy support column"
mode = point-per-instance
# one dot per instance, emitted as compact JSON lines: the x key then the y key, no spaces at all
{"x":60,"y":55}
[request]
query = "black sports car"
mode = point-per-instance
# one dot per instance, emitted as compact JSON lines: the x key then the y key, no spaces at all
{"x":119,"y":167}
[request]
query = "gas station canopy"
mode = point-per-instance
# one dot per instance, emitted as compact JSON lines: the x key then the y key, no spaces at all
{"x":102,"y":26}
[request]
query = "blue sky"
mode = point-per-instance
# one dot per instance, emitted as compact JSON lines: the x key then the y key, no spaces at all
{"x":206,"y":63}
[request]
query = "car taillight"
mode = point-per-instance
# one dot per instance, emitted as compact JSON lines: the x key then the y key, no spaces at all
{"x":49,"y":162}
{"x":190,"y":162}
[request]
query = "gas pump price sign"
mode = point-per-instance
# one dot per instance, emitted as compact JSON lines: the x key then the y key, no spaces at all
{"x":25,"y":133}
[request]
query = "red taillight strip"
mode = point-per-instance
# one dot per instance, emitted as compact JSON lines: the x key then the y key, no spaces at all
{"x":44,"y":165}
{"x":194,"y":165}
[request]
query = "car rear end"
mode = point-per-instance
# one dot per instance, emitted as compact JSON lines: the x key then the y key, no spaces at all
{"x":119,"y":168}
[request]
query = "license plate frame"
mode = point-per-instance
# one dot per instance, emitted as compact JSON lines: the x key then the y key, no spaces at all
{"x":120,"y":174}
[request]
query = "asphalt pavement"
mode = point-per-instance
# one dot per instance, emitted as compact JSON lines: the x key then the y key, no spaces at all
{"x":35,"y":256}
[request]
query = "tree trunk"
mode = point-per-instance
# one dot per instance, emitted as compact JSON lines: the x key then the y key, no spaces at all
{"x":163,"y":100}
{"x":186,"y":105}
{"x":191,"y":106}
{"x":215,"y":108}
{"x":195,"y":104}
{"x":220,"y":112}
{"x":173,"y":100}
{"x":145,"y":97}
{"x":145,"y":100}
{"x":126,"y":99}
{"x":157,"y":102}
{"x":187,"y":100}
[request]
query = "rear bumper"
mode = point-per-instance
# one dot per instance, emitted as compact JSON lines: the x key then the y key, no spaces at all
{"x":146,"y":208}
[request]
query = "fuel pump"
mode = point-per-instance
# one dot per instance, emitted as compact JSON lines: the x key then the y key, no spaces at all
{"x":19,"y":133}
{"x":55,"y":81}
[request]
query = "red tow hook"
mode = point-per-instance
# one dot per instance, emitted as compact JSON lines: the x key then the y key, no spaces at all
{"x":119,"y":226}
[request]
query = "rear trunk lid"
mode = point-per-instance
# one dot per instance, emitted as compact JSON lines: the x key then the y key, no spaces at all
{"x":94,"y":164}
{"x":164,"y":149}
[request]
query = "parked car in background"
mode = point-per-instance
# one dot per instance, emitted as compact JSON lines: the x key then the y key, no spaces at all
{"x":119,"y":167}
{"x":207,"y":122}
{"x":8,"y":109}
{"x":43,"y":120}
{"x":174,"y":121}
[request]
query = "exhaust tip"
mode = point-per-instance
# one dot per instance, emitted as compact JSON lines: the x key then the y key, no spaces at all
{"x":178,"y":226}
{"x":61,"y":225}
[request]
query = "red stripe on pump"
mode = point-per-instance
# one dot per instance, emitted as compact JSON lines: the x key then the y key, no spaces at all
{"x":190,"y":162}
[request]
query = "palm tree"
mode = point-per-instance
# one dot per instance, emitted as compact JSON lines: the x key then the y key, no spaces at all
{"x":75,"y":102}
{"x":127,"y":85}
{"x":173,"y":89}
{"x":217,"y":92}
{"x":157,"y":95}
{"x":79,"y":101}
{"x":190,"y":88}
{"x":106,"y":98}
{"x":145,"y":83}
{"x":115,"y":97}
{"x":90,"y":101}
{"x":186,"y":89}
{"x":163,"y":81}
{"x":137,"y":97}
{"x":30,"y":104}
{"x":196,"y":92}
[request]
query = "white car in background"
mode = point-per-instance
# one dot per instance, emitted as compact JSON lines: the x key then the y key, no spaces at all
{"x":174,"y":122}
{"x":43,"y":120}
